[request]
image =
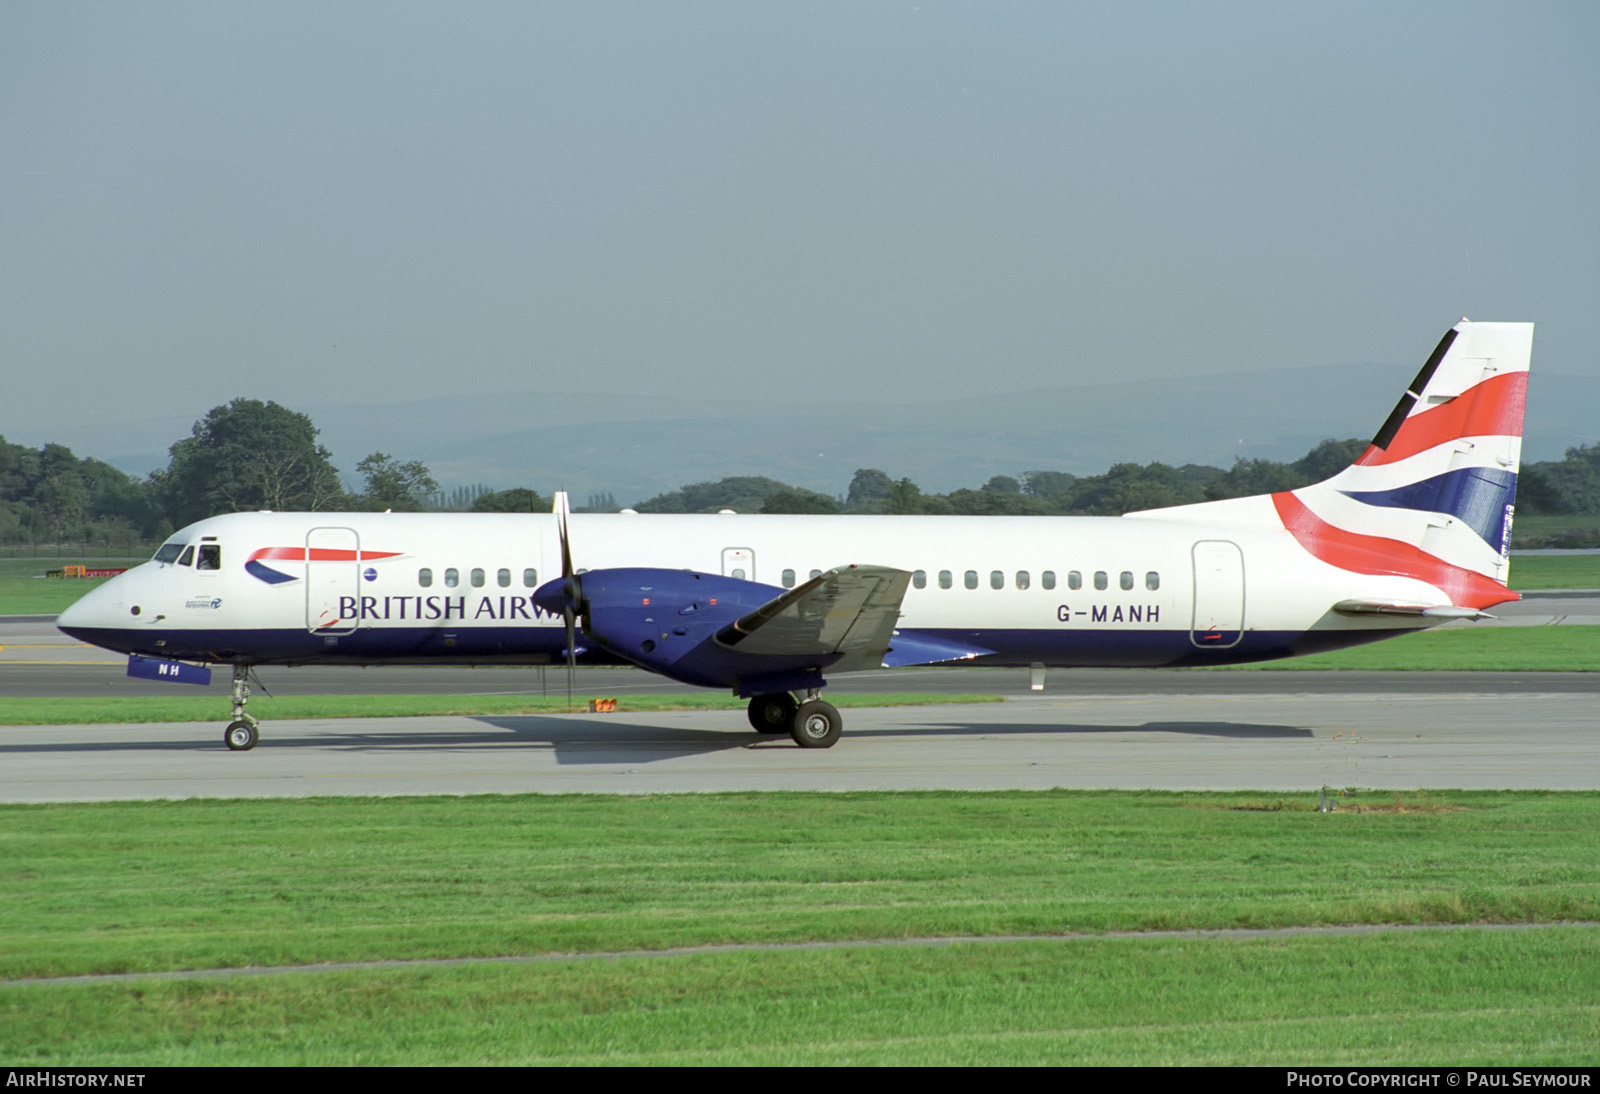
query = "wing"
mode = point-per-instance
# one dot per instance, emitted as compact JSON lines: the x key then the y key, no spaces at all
{"x":849,"y":611}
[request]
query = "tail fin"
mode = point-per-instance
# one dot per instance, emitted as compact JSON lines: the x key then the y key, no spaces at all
{"x":1433,"y":495}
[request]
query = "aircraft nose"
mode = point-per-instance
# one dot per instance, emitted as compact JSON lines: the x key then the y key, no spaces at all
{"x":74,"y":618}
{"x":95,"y":611}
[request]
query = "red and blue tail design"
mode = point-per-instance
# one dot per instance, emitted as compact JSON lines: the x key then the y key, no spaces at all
{"x":1433,"y":496}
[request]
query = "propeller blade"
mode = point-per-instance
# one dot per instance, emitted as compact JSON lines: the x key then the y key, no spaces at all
{"x":571,"y":586}
{"x":572,"y":657}
{"x":567,"y":570}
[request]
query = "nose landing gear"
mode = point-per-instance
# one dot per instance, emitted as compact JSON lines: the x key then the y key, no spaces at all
{"x":242,"y":733}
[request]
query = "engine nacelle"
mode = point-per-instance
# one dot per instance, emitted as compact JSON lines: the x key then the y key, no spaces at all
{"x":668,"y":621}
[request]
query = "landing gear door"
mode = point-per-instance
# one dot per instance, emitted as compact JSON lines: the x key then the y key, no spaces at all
{"x":1218,"y":594}
{"x":333,"y":578}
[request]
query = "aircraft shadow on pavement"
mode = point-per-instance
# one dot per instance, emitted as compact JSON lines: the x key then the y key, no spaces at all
{"x":637,"y":742}
{"x":1239,"y":730}
{"x":585,"y":741}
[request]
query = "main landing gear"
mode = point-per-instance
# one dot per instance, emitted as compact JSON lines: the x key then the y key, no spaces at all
{"x":813,"y":723}
{"x":242,"y":733}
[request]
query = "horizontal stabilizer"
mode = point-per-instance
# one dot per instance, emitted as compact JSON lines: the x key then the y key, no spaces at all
{"x":1416,"y":611}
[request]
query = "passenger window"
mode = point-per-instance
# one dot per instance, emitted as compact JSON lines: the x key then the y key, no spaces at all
{"x":1023,"y":581}
{"x":503,"y":577}
{"x":788,"y":579}
{"x":1074,"y":580}
{"x":1126,"y":579}
{"x":1100,"y":581}
{"x":187,"y":556}
{"x":816,"y":573}
{"x":919,"y":579}
{"x":451,"y":578}
{"x":1152,"y":581}
{"x":997,"y":579}
{"x":210,"y":557}
{"x":738,"y":573}
{"x":530,"y":578}
{"x":945,"y":580}
{"x":1047,"y":580}
{"x":970,"y":579}
{"x":169,"y":552}
{"x":425,"y":578}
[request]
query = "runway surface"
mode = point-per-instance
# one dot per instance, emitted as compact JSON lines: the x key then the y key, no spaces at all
{"x":1270,"y":740}
{"x":1280,"y":730}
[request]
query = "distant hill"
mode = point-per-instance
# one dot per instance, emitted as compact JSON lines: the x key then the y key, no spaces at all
{"x":638,"y":446}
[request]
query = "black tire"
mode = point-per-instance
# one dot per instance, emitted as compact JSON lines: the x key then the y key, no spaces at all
{"x":816,"y":725}
{"x":240,"y":736}
{"x":772,"y":713}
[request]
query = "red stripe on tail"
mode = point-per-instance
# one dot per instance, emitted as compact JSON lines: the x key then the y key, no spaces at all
{"x":1492,"y":408}
{"x":1378,"y":556}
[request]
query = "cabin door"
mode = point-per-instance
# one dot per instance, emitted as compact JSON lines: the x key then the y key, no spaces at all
{"x":1218,"y":594}
{"x":333,"y":580}
{"x":739,"y":562}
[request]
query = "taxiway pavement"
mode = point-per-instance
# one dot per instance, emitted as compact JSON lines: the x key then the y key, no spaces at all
{"x":1269,"y":739}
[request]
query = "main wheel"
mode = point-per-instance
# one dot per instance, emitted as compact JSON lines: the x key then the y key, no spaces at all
{"x":772,"y":713}
{"x":241,"y":736}
{"x":816,"y":725}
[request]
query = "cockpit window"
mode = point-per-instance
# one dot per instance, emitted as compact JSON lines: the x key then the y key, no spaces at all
{"x":169,"y":551}
{"x":210,"y":557}
{"x":187,"y":557}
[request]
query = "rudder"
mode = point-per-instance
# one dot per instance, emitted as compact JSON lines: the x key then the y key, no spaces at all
{"x":1434,"y":493}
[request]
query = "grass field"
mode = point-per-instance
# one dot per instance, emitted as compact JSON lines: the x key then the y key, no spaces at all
{"x":1522,"y":998}
{"x":1464,"y":649}
{"x":24,"y":590}
{"x":199,"y":884}
{"x":1569,"y":530}
{"x":1533,"y":572}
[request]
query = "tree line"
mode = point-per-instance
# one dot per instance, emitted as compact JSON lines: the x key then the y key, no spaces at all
{"x":248,"y":455}
{"x":244,"y":455}
{"x":1568,"y":486}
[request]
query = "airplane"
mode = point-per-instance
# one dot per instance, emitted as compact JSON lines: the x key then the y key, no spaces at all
{"x":1414,"y":533}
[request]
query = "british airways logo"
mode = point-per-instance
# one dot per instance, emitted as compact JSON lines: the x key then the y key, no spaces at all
{"x":262,"y":572}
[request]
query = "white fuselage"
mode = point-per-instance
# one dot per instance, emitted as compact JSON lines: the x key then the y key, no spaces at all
{"x":1153,"y":589}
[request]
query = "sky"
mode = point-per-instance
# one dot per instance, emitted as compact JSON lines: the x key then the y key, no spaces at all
{"x":801,"y":203}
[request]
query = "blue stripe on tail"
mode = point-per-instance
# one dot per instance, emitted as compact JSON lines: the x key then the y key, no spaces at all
{"x":1477,"y":496}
